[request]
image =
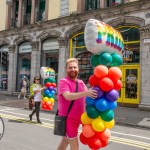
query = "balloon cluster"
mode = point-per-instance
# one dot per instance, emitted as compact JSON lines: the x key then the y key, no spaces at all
{"x":99,"y":116}
{"x":49,"y":81}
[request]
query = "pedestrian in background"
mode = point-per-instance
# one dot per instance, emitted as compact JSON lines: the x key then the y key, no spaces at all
{"x":66,"y":94}
{"x":23,"y":86}
{"x":37,"y":89}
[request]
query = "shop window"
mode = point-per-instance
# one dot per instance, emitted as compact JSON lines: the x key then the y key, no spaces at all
{"x":78,"y":41}
{"x":91,"y":4}
{"x":131,"y":37}
{"x":85,"y":67}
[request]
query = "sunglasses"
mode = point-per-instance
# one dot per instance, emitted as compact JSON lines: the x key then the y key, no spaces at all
{"x":37,"y":79}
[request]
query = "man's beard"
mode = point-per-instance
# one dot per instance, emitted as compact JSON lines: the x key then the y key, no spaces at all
{"x":72,"y":74}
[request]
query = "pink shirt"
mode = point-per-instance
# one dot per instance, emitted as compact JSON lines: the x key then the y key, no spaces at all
{"x":66,"y":84}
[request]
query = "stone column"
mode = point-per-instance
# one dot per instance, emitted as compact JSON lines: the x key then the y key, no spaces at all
{"x":46,"y":9}
{"x":11,"y":86}
{"x":80,"y":6}
{"x":35,"y":70}
{"x":102,"y":3}
{"x":20,"y":14}
{"x":145,"y":68}
{"x":8,"y":15}
{"x":63,"y":48}
{"x":33,"y":12}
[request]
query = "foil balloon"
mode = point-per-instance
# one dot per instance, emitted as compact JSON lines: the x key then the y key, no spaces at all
{"x":47,"y":72}
{"x":99,"y":37}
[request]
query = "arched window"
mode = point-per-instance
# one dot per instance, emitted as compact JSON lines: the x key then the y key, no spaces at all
{"x":131,"y":36}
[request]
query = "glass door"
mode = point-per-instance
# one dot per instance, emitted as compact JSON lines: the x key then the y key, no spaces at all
{"x":131,"y":84}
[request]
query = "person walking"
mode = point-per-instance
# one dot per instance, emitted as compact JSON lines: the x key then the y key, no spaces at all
{"x":37,"y":89}
{"x":23,"y":86}
{"x":66,"y":94}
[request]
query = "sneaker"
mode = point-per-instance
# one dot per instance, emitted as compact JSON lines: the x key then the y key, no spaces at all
{"x":38,"y":121}
{"x":19,"y":96}
{"x":30,"y":116}
{"x":24,"y":98}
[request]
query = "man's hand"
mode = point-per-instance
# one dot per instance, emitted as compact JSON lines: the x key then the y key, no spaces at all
{"x":91,"y":93}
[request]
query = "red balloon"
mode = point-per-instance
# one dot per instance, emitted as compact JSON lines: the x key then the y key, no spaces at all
{"x":53,"y":85}
{"x":43,"y":102}
{"x":104,"y":143}
{"x":88,"y":131}
{"x":48,"y":104}
{"x":106,"y":84}
{"x":93,"y":80}
{"x":117,"y":85}
{"x":83,"y":139}
{"x":48,"y":84}
{"x":114,"y":73}
{"x":104,"y":135}
{"x":101,"y":71}
{"x":94,"y":143}
{"x":44,"y":106}
{"x":50,"y":107}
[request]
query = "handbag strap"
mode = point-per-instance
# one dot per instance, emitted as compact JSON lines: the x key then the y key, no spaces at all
{"x":71,"y":104}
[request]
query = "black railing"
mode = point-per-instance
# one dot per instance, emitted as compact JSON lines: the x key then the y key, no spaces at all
{"x":14,"y":23}
{"x":40,"y":15}
{"x":26,"y":19}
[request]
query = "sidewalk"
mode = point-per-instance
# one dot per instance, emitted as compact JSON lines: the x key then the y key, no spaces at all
{"x":123,"y":115}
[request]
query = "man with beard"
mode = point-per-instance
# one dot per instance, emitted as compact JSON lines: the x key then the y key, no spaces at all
{"x":66,"y":94}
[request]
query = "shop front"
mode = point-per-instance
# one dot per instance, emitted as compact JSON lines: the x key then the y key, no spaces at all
{"x":23,"y":63}
{"x":4,"y":67}
{"x":49,"y":56}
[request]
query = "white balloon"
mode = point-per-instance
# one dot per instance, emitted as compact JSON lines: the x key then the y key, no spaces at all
{"x":100,"y":37}
{"x":47,"y":72}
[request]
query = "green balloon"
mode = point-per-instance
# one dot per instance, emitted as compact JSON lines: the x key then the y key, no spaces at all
{"x":95,"y":60}
{"x":116,"y":60}
{"x":92,"y":112}
{"x":107,"y":115}
{"x":105,"y":59}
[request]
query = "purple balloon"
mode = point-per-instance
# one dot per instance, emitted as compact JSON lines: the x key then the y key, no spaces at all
{"x":50,"y":88}
{"x":100,"y":93}
{"x":112,"y":95}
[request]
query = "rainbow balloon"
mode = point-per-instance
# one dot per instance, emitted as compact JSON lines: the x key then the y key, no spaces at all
{"x":107,"y":45}
{"x":100,"y":37}
{"x":48,"y":74}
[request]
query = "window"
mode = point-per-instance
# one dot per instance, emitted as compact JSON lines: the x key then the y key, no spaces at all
{"x":91,"y":4}
{"x":114,"y":2}
{"x":131,"y":37}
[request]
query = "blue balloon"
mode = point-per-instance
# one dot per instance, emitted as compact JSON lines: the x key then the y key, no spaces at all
{"x":90,"y":101}
{"x":112,"y":105}
{"x":52,"y":92}
{"x":102,"y":104}
{"x":47,"y":92}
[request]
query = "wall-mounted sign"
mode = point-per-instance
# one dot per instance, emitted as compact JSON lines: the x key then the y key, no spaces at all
{"x":146,"y":41}
{"x":50,"y":45}
{"x":25,"y":48}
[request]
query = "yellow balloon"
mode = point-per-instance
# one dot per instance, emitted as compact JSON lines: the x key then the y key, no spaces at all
{"x":110,"y":124}
{"x":51,"y":100}
{"x":45,"y":99}
{"x":85,"y":119}
{"x":98,"y":125}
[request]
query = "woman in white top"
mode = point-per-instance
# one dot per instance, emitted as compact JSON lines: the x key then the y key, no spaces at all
{"x":37,"y":89}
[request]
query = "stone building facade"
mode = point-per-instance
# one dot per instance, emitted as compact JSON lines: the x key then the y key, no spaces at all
{"x":30,"y":42}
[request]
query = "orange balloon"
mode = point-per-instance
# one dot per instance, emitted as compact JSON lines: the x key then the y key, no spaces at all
{"x":106,"y":84}
{"x":101,"y":71}
{"x":88,"y":131}
{"x":114,"y":73}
